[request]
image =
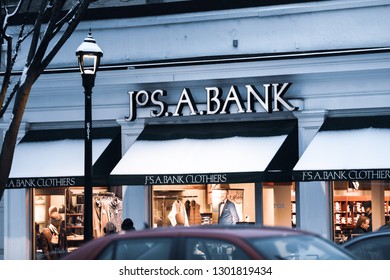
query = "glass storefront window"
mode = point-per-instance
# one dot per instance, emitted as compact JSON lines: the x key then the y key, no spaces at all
{"x":58,"y":218}
{"x":352,"y":199}
{"x":188,"y":205}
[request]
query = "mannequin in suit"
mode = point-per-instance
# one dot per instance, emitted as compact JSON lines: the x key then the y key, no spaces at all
{"x":227,"y":210}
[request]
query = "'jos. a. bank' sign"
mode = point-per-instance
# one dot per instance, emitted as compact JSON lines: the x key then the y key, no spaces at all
{"x":271,"y":100}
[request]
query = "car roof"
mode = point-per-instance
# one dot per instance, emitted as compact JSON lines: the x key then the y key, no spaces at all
{"x":229,"y":233}
{"x":213,"y":231}
{"x":234,"y":230}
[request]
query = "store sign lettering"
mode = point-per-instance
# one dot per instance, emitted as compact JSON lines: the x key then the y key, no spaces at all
{"x":272,"y":100}
{"x":185,"y":179}
{"x":345,"y":175}
{"x":41,"y":182}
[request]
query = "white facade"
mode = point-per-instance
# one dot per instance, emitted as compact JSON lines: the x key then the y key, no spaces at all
{"x":336,"y":54}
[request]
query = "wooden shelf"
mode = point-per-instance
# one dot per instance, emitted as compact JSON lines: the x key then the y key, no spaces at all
{"x":346,"y":213}
{"x":74,"y":227}
{"x":75,"y":237}
{"x":74,"y":214}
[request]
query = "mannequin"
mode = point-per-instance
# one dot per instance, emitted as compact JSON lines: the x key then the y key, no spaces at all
{"x":53,"y":238}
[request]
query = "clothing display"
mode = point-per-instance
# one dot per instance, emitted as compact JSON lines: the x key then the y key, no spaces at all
{"x":227,"y":213}
{"x":194,"y":213}
{"x":107,"y":207}
{"x":53,"y":242}
{"x":173,"y":209}
{"x":178,"y":214}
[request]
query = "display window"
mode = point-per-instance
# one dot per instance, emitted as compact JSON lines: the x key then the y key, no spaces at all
{"x":58,"y":218}
{"x":351,"y":199}
{"x":187,"y":205}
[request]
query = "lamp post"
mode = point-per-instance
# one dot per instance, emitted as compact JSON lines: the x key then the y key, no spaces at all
{"x":89,"y":54}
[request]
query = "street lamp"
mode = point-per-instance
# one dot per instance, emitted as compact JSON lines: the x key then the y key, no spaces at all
{"x":89,"y":54}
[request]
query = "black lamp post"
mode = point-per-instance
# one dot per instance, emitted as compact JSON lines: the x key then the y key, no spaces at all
{"x":89,"y":54}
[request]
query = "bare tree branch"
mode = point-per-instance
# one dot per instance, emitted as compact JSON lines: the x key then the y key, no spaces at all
{"x":37,"y":60}
{"x":36,"y":33}
{"x":67,"y":17}
{"x":48,"y":34}
{"x":79,"y":11}
{"x":9,"y":99}
{"x":17,"y":9}
{"x":10,"y":61}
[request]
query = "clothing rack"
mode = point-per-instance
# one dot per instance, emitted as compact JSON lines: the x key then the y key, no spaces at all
{"x":112,"y":194}
{"x":174,"y":196}
{"x":164,"y":204}
{"x":107,"y":207}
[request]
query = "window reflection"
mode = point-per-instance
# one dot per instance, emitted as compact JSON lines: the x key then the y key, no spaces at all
{"x":139,"y":249}
{"x":212,"y":249}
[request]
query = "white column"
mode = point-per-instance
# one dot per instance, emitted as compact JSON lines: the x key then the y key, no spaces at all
{"x":136,"y":199}
{"x":314,"y":208}
{"x":313,"y":198}
{"x":17,"y":225}
{"x":17,"y":231}
{"x":136,"y":205}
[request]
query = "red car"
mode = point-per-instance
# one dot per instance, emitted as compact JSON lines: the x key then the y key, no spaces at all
{"x":211,"y":243}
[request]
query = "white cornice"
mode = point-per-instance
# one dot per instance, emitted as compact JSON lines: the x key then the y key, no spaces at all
{"x":251,"y":12}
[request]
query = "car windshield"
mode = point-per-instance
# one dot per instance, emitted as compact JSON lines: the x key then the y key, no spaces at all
{"x":297,"y":247}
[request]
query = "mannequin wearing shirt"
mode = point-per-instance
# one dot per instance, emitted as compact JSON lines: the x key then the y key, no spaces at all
{"x":227,"y":210}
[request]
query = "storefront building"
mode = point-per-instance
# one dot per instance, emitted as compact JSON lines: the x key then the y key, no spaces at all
{"x":285,"y":105}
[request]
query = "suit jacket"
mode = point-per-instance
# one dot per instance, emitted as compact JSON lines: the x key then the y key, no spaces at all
{"x":229,"y":214}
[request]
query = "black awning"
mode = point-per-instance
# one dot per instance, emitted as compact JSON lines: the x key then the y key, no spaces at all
{"x":55,"y":158}
{"x":352,"y":148}
{"x":204,"y":153}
